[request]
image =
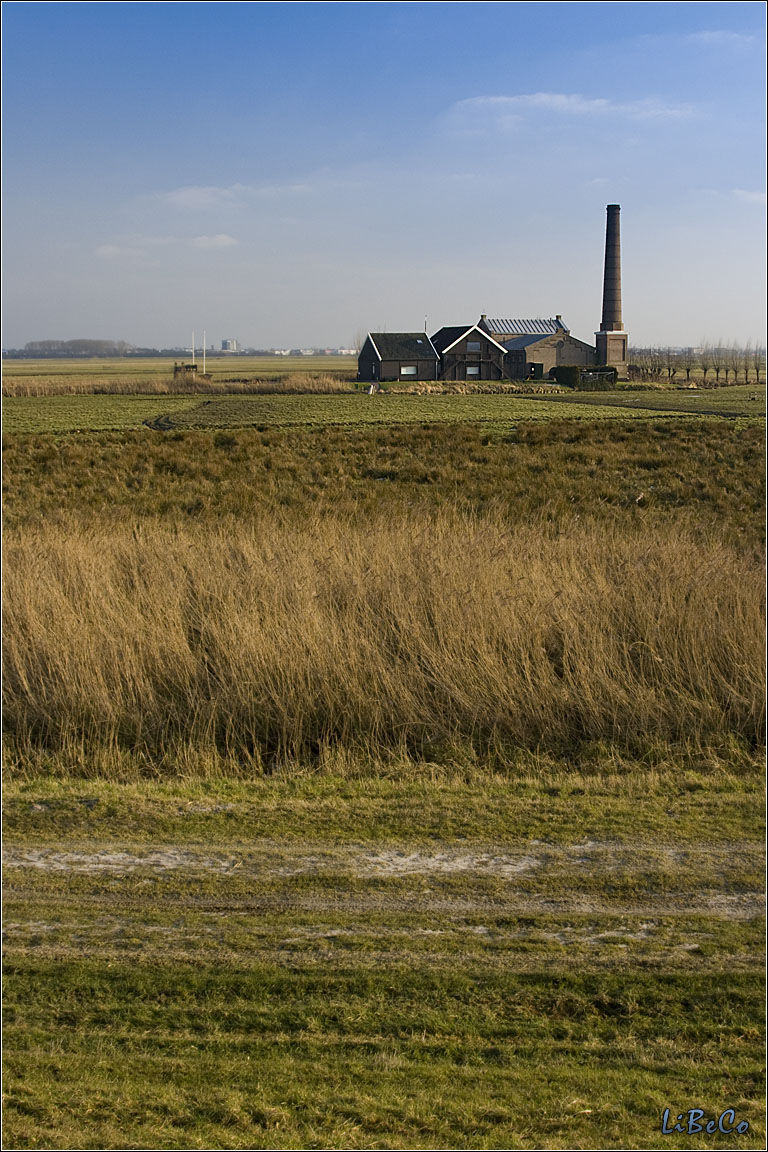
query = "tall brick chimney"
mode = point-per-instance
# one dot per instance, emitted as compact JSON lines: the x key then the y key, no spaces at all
{"x":611,"y":339}
{"x":611,"y":321}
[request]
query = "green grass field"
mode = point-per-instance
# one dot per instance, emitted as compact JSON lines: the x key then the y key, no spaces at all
{"x":102,"y":413}
{"x":385,"y":410}
{"x":411,"y":935}
{"x":736,"y":400}
{"x":87,"y":413}
{"x":440,"y":960}
{"x":707,"y":472}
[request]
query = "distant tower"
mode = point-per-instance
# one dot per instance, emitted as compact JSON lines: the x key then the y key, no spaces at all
{"x":612,"y":339}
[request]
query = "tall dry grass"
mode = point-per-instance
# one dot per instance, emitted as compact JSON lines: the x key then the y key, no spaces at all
{"x":265,"y":640}
{"x":294,"y":383}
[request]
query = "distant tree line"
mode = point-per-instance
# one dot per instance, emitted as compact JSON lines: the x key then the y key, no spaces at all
{"x":77,"y":348}
{"x":55,"y":349}
{"x":63,"y":349}
{"x":712,"y":364}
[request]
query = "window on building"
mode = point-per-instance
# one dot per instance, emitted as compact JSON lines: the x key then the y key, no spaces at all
{"x":473,"y":369}
{"x":474,"y":346}
{"x":408,"y":370}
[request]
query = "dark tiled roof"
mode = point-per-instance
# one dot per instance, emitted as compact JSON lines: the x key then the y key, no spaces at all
{"x":403,"y":345}
{"x":444,"y":337}
{"x":524,"y":341}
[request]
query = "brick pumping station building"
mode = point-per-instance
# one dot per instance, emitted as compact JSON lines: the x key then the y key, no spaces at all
{"x":504,"y":349}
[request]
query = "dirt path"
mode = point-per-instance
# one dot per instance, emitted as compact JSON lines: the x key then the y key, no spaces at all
{"x":593,"y":877}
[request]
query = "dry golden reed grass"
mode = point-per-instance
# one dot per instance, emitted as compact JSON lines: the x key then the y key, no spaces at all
{"x":420,"y":634}
{"x":295,"y":383}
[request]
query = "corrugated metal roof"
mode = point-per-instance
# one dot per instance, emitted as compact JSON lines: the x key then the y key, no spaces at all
{"x":524,"y":327}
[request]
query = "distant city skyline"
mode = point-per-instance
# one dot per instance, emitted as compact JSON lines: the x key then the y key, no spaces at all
{"x":300,"y":174}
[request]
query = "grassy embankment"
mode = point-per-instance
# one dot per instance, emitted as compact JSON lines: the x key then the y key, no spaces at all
{"x":571,"y":588}
{"x":500,"y":887}
{"x":154,"y":376}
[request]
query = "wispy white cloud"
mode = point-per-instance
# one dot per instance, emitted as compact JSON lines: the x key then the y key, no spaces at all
{"x":220,"y":240}
{"x":507,"y":111}
{"x":136,"y":248}
{"x":747,"y":196}
{"x":722,"y":38}
{"x":606,"y":181}
{"x":200,"y":196}
{"x":743,"y":195}
{"x":194,"y":197}
{"x":111,"y":251}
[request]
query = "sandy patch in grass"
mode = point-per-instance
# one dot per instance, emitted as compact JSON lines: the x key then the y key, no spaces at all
{"x":120,"y":862}
{"x":394,"y":862}
{"x":534,"y":862}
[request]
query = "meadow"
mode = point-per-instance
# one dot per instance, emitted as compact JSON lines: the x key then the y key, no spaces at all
{"x":733,"y":400}
{"x":385,"y":780}
{"x":545,"y":958}
{"x":306,"y":408}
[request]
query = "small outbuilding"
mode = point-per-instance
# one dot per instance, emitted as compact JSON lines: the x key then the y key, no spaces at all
{"x":407,"y":356}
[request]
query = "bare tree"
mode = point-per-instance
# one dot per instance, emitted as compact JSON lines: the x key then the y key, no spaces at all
{"x":705,"y":360}
{"x":658,"y":363}
{"x":746,"y":360}
{"x":638,"y":363}
{"x":687,"y":360}
{"x":758,"y":361}
{"x":718,"y":359}
{"x":669,"y":360}
{"x":733,"y":362}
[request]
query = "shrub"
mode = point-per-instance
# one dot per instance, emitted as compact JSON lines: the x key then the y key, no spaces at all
{"x":587,"y":379}
{"x":597,"y":379}
{"x":567,"y":375}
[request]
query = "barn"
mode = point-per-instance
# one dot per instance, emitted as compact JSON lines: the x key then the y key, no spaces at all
{"x":404,"y":356}
{"x":468,"y":352}
{"x":489,"y":350}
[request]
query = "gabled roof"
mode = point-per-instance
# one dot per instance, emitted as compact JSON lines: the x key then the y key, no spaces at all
{"x":402,"y":345}
{"x":445,"y":338}
{"x":501,"y":328}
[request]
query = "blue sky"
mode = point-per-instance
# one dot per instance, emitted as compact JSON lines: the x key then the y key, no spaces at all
{"x":295,"y":174}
